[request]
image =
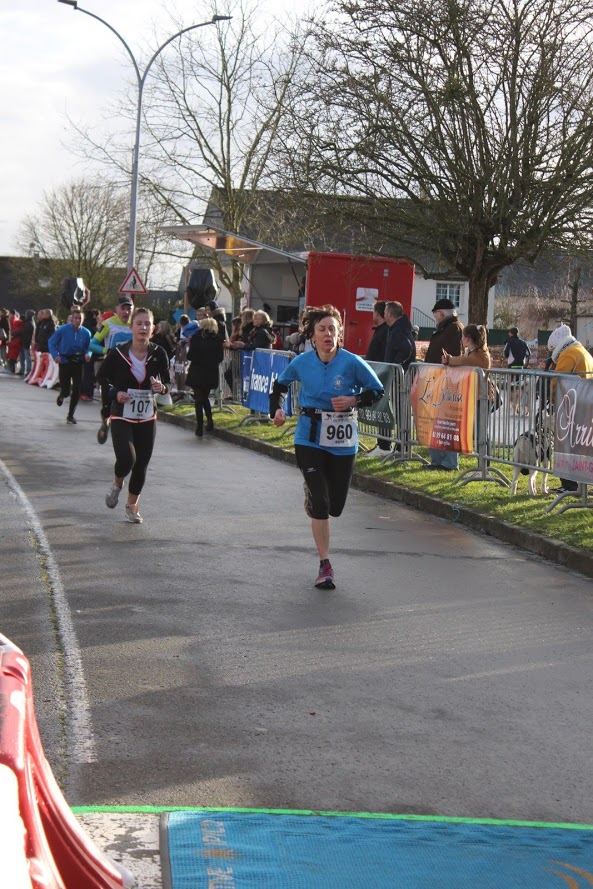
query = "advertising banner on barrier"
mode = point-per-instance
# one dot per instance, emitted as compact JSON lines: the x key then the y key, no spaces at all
{"x":573,"y":431}
{"x":246,"y":362}
{"x":266,"y":366}
{"x":444,"y":406}
{"x":380,"y":414}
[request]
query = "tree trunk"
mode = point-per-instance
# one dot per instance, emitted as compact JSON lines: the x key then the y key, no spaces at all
{"x":574,"y":298}
{"x":480,"y":282}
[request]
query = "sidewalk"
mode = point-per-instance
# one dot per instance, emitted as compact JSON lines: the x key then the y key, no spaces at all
{"x":544,"y":547}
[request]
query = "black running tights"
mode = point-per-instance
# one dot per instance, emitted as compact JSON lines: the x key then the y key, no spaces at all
{"x":327,"y":477}
{"x":133,"y":444}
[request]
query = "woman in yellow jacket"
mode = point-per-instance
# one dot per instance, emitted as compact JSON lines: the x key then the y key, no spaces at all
{"x":568,"y":357}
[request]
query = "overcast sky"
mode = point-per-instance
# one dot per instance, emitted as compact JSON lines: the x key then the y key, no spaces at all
{"x":55,"y":62}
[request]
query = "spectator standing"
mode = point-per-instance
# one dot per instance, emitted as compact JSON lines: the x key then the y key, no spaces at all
{"x":204,"y":354}
{"x":446,"y":338}
{"x":236,"y":330}
{"x":516,"y":350}
{"x":28,"y":332}
{"x":568,"y":357}
{"x":261,"y":335}
{"x":92,"y":320}
{"x":46,"y":325}
{"x":247,"y":316}
{"x":4,"y":334}
{"x":474,"y":339}
{"x":217,"y":312}
{"x":163,"y":337}
{"x":376,"y":347}
{"x":401,"y":345}
{"x":14,"y":342}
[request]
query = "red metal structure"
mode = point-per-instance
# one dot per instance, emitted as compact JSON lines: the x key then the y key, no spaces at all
{"x":353,"y":284}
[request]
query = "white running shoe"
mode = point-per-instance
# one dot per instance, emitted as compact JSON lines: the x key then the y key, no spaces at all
{"x":134,"y":517}
{"x":113,"y":496}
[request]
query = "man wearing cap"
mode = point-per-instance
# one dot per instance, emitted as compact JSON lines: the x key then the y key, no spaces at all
{"x":447,"y":337}
{"x":113,"y":331}
{"x":568,"y":357}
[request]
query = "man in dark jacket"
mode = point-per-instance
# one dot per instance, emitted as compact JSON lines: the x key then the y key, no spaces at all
{"x":43,"y":329}
{"x":376,"y":348}
{"x":447,"y":337}
{"x":401,"y":345}
{"x":516,"y":350}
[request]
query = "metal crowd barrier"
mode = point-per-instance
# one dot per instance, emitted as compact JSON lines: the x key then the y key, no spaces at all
{"x":396,"y":430}
{"x":509,"y":404}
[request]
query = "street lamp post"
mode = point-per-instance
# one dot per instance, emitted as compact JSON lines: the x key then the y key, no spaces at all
{"x":141,"y":80}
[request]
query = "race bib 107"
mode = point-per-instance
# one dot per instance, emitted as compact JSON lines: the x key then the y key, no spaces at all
{"x":140,"y":406}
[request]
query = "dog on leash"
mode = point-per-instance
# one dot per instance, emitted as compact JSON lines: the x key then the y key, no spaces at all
{"x":519,"y":398}
{"x":533,"y":448}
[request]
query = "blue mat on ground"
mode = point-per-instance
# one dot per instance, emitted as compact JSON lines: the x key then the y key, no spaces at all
{"x":253,"y":850}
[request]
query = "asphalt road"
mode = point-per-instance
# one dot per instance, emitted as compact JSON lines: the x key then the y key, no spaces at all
{"x":447,"y":674}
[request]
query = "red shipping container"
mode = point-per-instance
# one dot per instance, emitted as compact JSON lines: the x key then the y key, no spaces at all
{"x":353,"y":284}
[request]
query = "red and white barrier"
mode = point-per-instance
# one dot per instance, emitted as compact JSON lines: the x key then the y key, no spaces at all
{"x":34,"y":366}
{"x":58,"y":853}
{"x":12,"y":833}
{"x":40,"y":368}
{"x":51,"y":377}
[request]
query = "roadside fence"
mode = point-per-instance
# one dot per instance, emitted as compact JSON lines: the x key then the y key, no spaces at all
{"x":508,"y":417}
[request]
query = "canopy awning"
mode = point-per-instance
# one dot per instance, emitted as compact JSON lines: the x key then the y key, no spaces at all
{"x":232,"y":245}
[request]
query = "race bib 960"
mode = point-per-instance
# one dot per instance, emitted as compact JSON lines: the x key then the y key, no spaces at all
{"x":338,"y":430}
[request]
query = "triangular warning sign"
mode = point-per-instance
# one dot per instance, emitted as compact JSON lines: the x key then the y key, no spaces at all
{"x":133,"y":283}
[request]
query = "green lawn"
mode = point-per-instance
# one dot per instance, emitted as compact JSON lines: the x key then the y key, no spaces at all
{"x":574,"y":527}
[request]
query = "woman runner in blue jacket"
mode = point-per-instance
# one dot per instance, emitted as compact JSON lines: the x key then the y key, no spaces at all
{"x":333,"y":382}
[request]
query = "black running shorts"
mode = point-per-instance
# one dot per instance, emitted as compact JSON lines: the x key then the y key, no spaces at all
{"x":327,"y":477}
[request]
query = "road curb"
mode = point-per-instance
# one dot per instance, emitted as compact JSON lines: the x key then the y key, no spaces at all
{"x":545,"y":547}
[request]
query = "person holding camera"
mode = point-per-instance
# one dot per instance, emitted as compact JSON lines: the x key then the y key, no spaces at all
{"x":69,"y":347}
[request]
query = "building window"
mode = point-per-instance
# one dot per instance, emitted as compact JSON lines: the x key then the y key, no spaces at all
{"x":449,"y":291}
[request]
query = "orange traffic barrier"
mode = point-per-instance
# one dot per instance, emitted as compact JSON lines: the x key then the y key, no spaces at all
{"x":59,"y":853}
{"x":41,"y":365}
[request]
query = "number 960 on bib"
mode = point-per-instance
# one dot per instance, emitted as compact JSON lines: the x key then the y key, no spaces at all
{"x":338,"y":430}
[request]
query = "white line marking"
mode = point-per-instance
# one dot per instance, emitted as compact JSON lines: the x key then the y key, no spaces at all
{"x":80,"y":735}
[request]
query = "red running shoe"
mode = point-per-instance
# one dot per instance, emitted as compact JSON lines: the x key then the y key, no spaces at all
{"x":326,"y":581}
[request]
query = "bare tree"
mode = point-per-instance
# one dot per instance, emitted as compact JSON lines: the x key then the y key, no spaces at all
{"x":81,"y":230}
{"x":461,"y":128}
{"x":213,"y":104}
